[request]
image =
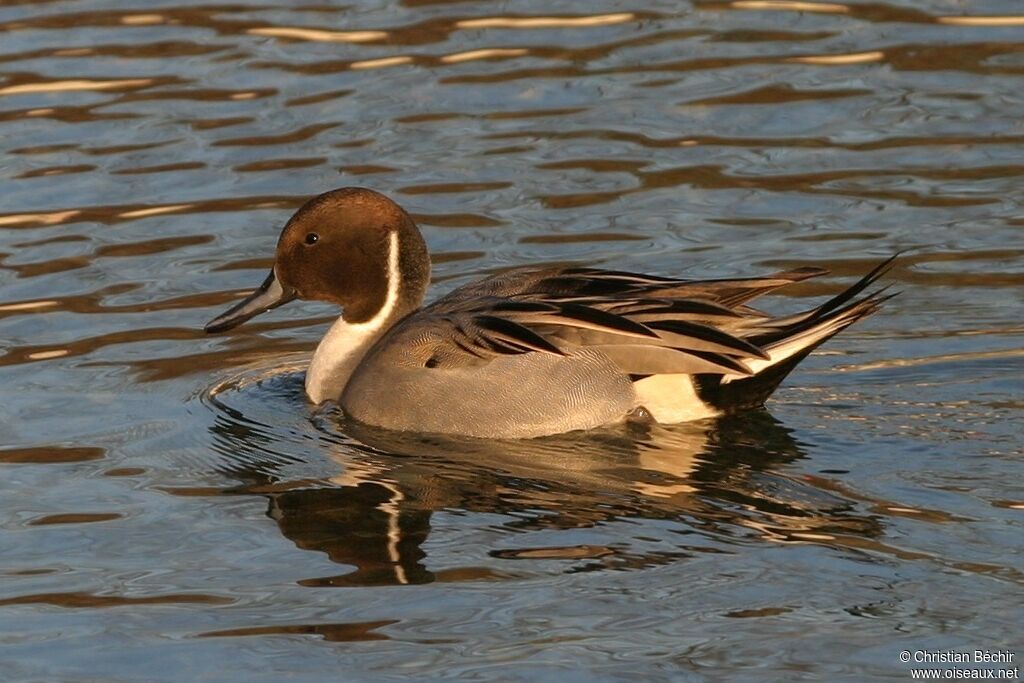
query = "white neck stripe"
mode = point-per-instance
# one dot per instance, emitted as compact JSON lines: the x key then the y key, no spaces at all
{"x":394,"y":281}
{"x":343,"y":347}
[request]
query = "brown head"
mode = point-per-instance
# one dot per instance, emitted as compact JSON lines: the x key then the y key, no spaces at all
{"x":339,"y":248}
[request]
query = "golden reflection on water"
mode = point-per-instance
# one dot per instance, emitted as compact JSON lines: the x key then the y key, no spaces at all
{"x":319,"y":35}
{"x":786,"y":5}
{"x":74,"y":85}
{"x":491,"y":53}
{"x":854,"y":58}
{"x":982,"y":21}
{"x":51,"y":218}
{"x":546,"y":22}
{"x":381,"y":63}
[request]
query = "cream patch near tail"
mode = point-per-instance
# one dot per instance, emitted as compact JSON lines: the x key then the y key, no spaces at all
{"x":672,"y":398}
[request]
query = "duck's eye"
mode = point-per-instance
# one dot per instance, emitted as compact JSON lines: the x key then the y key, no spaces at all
{"x":312,"y":238}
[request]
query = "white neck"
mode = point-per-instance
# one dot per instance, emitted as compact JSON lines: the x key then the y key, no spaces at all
{"x":345,"y":344}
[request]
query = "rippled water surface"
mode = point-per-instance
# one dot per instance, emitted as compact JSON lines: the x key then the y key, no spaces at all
{"x":173,"y":510}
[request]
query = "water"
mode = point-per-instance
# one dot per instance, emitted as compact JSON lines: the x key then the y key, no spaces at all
{"x":172,"y":510}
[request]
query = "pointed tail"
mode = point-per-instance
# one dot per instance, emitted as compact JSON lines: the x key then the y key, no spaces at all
{"x":788,"y":340}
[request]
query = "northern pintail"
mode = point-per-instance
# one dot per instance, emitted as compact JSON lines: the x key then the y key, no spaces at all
{"x":534,"y":350}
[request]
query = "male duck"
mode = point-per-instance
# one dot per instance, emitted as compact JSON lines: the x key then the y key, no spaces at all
{"x":534,"y":350}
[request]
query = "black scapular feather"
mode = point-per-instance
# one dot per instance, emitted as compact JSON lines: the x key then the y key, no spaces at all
{"x":708,"y":334}
{"x":516,"y":333}
{"x":613,"y":322}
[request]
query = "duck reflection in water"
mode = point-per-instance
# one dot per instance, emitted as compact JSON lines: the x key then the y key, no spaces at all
{"x":721,"y":480}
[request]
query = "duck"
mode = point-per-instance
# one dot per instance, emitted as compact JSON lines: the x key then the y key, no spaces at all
{"x":531,"y":351}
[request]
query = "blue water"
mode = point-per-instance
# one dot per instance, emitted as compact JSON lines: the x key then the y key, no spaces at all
{"x":172,"y":509}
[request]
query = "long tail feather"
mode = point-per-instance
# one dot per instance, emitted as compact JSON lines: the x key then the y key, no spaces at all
{"x":790,"y":343}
